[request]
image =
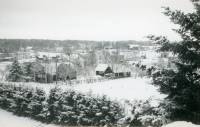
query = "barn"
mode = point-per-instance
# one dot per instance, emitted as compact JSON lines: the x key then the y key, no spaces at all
{"x":121,"y":70}
{"x":103,"y":69}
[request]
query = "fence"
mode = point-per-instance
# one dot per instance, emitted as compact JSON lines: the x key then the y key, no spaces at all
{"x":92,"y":79}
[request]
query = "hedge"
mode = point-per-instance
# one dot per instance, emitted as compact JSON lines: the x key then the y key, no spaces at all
{"x":60,"y":107}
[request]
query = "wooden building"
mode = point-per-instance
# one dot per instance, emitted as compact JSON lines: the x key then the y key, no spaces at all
{"x":121,"y":70}
{"x":103,"y":69}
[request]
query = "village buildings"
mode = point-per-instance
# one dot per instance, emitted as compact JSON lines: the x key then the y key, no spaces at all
{"x":119,"y":62}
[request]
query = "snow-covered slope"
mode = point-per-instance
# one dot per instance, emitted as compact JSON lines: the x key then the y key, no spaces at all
{"x":181,"y":124}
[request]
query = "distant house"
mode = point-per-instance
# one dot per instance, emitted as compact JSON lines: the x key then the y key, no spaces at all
{"x":23,"y":55}
{"x":29,"y":49}
{"x":129,"y":54}
{"x":145,"y":48}
{"x":108,"y":47}
{"x":121,"y":70}
{"x":103,"y":69}
{"x":134,"y":47}
{"x":50,"y":55}
{"x":40,"y":59}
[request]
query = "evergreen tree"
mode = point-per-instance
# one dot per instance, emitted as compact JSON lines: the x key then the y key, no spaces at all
{"x":182,"y":87}
{"x":29,"y":69}
{"x":15,"y":72}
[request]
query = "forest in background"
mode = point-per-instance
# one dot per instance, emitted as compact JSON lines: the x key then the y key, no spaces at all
{"x":13,"y":45}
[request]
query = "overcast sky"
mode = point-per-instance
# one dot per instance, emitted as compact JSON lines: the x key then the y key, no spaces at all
{"x":109,"y":20}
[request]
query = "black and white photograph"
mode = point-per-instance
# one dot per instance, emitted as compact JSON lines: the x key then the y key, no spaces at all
{"x":100,"y":63}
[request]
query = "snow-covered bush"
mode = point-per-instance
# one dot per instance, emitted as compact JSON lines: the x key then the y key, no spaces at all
{"x":37,"y":104}
{"x":73,"y":108}
{"x":60,"y":107}
{"x":22,"y":100}
{"x":144,"y":114}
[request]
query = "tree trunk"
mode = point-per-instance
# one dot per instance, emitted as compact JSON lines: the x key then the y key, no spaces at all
{"x":64,"y":79}
{"x":135,"y":72}
{"x":34,"y":77}
{"x":45,"y":77}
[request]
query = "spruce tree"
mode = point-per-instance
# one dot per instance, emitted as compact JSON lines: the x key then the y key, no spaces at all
{"x":15,"y":72}
{"x":29,"y":69}
{"x":182,"y":87}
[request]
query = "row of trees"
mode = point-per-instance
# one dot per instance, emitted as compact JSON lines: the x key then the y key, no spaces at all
{"x":36,"y":72}
{"x":12,"y":45}
{"x":26,"y":71}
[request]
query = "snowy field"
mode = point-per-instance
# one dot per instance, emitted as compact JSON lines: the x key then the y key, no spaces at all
{"x":124,"y":88}
{"x":3,"y":65}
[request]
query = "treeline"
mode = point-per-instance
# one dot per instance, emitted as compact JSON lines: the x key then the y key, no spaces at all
{"x":12,"y":45}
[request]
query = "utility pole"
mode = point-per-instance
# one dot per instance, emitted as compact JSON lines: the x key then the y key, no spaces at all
{"x":121,"y":68}
{"x":69,"y":69}
{"x":56,"y":68}
{"x":46,"y":60}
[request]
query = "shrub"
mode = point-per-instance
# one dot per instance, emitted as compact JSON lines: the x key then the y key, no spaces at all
{"x":143,"y":114}
{"x":37,"y":104}
{"x":73,"y":108}
{"x":69,"y":108}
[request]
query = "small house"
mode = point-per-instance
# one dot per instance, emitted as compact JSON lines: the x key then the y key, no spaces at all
{"x":103,"y":69}
{"x":121,"y":70}
{"x":134,"y":47}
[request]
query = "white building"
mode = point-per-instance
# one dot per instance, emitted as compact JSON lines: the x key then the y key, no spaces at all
{"x":134,"y":47}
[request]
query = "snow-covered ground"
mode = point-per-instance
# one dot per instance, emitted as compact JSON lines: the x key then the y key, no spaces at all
{"x":3,"y":65}
{"x":181,"y":124}
{"x":7,"y":119}
{"x":127,"y":88}
{"x":124,"y":88}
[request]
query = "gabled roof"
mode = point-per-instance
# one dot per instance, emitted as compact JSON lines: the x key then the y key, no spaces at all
{"x":29,"y":47}
{"x":120,"y":68}
{"x":101,"y":67}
